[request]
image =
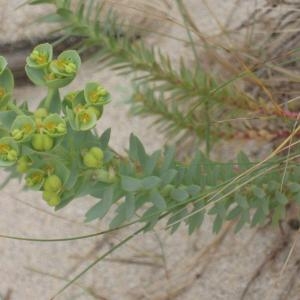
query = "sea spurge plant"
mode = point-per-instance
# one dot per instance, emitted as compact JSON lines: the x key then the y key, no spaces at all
{"x":58,"y":152}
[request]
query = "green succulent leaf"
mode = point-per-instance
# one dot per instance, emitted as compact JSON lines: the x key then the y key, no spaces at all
{"x":129,"y":205}
{"x":6,"y":83}
{"x":258,"y":217}
{"x":151,"y":163}
{"x":104,"y":138}
{"x":130,"y":184}
{"x":55,"y":81}
{"x":197,"y":217}
{"x":136,"y":149}
{"x":175,"y":221}
{"x":100,"y":209}
{"x":217,"y":224}
{"x":7,"y":118}
{"x":179,"y":194}
{"x":234,"y":213}
{"x":120,"y":217}
{"x":157,"y":199}
{"x":151,"y":182}
{"x":37,"y":76}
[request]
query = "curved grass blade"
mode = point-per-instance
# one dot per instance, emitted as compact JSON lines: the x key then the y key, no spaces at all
{"x":98,"y":260}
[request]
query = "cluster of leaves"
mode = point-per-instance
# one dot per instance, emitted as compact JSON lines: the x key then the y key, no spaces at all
{"x":53,"y":146}
{"x":59,"y":153}
{"x":187,"y":192}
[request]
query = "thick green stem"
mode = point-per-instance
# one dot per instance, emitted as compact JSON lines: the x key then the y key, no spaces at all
{"x":52,"y":99}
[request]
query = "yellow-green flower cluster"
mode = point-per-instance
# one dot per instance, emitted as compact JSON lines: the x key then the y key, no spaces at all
{"x":35,"y":178}
{"x":63,"y":66}
{"x":22,"y":128}
{"x":95,"y":94}
{"x":51,"y":185}
{"x":39,"y":57}
{"x":45,"y":146}
{"x":8,"y":152}
{"x":43,"y":70}
{"x":85,"y":107}
{"x":40,"y":129}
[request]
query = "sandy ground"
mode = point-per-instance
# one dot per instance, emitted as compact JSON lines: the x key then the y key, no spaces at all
{"x":156,"y":265}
